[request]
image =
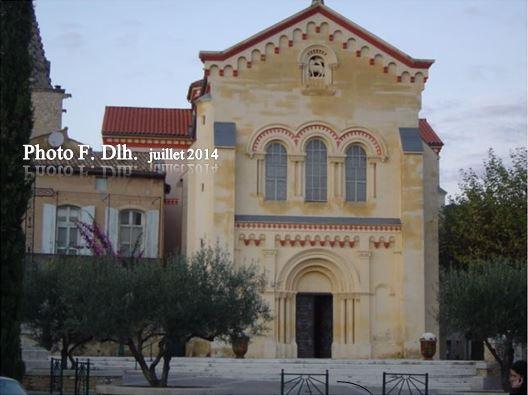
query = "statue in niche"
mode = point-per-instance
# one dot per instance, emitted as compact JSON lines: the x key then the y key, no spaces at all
{"x":316,"y":67}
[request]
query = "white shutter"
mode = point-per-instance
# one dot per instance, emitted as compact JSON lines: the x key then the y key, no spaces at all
{"x":112,"y":226}
{"x":87,"y":217}
{"x":151,"y":239}
{"x":49,"y":218}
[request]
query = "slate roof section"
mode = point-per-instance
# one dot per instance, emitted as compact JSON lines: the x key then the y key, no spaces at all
{"x":147,"y":122}
{"x":225,"y":134}
{"x":411,"y":141}
{"x":429,"y":135}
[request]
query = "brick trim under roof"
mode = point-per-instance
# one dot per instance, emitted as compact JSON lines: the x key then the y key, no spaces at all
{"x":143,"y":121}
{"x":429,"y":135}
{"x":333,"y":16}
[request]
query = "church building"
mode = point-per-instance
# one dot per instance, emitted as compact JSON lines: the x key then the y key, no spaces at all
{"x":326,"y":178}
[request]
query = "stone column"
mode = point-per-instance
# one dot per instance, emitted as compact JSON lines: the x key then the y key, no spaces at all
{"x":260,"y":175}
{"x":372,"y":177}
{"x":335,"y":175}
{"x":298,"y":172}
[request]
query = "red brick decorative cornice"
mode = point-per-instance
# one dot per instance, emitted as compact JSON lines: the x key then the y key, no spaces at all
{"x":317,"y":227}
{"x":381,"y":242}
{"x":321,"y":241}
{"x":252,"y":239}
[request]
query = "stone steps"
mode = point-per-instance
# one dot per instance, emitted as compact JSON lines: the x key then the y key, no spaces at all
{"x":448,"y":376}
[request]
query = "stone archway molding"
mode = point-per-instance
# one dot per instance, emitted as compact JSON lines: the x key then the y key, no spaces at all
{"x":344,"y":278}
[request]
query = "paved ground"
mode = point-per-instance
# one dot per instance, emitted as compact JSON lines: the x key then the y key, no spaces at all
{"x":225,"y":386}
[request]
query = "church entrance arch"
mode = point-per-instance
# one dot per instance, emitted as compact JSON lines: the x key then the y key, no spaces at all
{"x":313,"y":284}
{"x":314,"y":310}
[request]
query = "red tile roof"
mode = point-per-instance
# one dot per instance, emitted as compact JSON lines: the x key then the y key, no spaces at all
{"x":333,"y":16}
{"x":429,"y":135}
{"x":141,"y":121}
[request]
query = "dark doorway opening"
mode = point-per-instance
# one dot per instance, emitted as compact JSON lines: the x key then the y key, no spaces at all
{"x":313,"y":325}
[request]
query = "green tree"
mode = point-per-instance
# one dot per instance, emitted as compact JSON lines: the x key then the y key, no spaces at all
{"x":488,"y":218}
{"x":61,"y":301}
{"x":487,"y":300}
{"x":16,"y":125}
{"x":170,"y":302}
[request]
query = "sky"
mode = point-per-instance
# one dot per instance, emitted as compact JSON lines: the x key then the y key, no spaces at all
{"x":145,"y":53}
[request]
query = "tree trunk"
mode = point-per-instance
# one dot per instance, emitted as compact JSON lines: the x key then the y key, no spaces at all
{"x":149,"y":374}
{"x":504,"y":362}
{"x":165,"y":372}
{"x":64,"y":355}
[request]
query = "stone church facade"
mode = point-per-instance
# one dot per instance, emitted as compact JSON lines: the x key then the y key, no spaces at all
{"x":326,"y":178}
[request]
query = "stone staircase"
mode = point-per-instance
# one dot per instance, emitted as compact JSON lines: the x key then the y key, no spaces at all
{"x":34,"y":357}
{"x":445,"y":377}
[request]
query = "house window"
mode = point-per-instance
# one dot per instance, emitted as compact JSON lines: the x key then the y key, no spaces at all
{"x":131,"y":230}
{"x":101,"y":184}
{"x":356,"y":174}
{"x":315,"y":171}
{"x":276,"y":172}
{"x":68,"y":236}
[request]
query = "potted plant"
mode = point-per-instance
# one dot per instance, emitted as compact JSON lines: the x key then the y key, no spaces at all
{"x":239,"y":343}
{"x":428,"y":345}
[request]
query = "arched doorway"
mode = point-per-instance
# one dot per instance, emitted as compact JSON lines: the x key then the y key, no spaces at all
{"x":314,"y":312}
{"x":314,"y":306}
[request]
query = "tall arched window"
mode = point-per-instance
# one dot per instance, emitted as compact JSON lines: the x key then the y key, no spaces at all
{"x":276,"y":172}
{"x":68,"y":237}
{"x":315,"y":171}
{"x":356,"y":174}
{"x":131,"y":231}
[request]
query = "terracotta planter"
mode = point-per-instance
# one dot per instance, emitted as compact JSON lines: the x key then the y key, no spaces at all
{"x":240,"y":346}
{"x":428,"y":349}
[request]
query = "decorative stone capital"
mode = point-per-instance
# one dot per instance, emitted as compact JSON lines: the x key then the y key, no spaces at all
{"x":337,"y":158}
{"x":269,"y":252}
{"x":364,"y":254}
{"x":297,"y":157}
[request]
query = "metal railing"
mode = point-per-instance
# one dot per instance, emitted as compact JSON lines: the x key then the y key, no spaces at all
{"x":81,"y":370}
{"x":293,"y":383}
{"x":405,"y":383}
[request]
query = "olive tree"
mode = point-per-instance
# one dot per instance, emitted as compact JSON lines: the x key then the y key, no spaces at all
{"x":173,"y":300}
{"x":488,"y":301}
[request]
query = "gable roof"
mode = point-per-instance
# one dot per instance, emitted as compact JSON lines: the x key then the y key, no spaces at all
{"x":143,"y":121}
{"x":317,"y":8}
{"x":429,"y":136}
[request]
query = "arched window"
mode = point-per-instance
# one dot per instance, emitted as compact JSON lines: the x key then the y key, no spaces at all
{"x":276,"y":172}
{"x":356,"y":174}
{"x":315,"y":171}
{"x":68,"y":236}
{"x":131,"y":230}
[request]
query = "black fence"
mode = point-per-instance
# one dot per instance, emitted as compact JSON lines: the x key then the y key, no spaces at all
{"x":81,"y":370}
{"x":294,"y":383}
{"x":404,"y":383}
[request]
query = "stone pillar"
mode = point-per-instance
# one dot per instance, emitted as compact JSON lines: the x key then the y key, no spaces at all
{"x":260,"y":175}
{"x":335,"y":188}
{"x":298,"y":171}
{"x":412,"y":217}
{"x":285,"y":324}
{"x":372,"y":177}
